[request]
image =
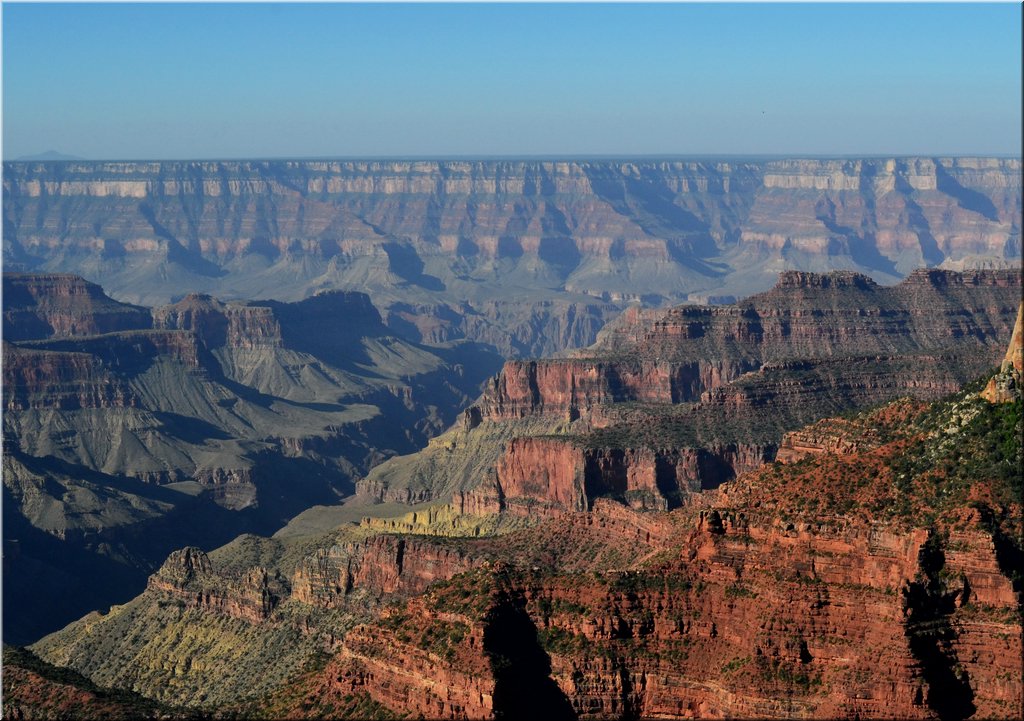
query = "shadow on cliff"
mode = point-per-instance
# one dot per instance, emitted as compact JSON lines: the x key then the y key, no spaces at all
{"x":931,"y":635}
{"x":523,"y":687}
{"x":405,"y":262}
{"x":188,"y":258}
{"x":966,"y":198}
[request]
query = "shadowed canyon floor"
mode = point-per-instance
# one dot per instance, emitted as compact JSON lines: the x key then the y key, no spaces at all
{"x":129,"y":432}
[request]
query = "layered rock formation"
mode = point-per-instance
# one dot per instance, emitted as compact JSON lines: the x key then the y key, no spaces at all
{"x":667,"y":403}
{"x":128,"y":432}
{"x":760,"y":604}
{"x":877,"y":577}
{"x":59,"y":304}
{"x":496,"y":250}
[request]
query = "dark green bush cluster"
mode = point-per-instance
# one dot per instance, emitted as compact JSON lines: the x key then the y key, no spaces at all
{"x":564,"y":643}
{"x":442,"y":637}
{"x":790,"y":677}
{"x":940,"y":468}
{"x":738,"y":590}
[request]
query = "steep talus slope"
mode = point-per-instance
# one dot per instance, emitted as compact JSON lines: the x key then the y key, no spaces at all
{"x":874,"y":574}
{"x":669,"y":402}
{"x":494,"y":250}
{"x":128,"y":433}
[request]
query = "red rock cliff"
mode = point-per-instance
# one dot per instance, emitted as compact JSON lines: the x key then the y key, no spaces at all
{"x":59,"y":305}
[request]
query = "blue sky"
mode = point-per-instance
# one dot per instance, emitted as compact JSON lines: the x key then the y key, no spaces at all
{"x":291,"y":80}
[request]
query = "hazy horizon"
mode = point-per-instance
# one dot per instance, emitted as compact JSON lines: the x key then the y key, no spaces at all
{"x":506,"y":81}
{"x":555,"y":157}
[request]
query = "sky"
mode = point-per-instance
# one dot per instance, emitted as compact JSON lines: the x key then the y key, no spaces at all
{"x":186,"y":81}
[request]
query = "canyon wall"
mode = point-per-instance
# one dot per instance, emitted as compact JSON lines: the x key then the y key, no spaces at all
{"x":873,"y":574}
{"x":447,"y":248}
{"x":130,"y":431}
{"x":668,"y":402}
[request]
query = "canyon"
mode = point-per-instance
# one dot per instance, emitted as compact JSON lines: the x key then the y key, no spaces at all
{"x":489,"y":439}
{"x":878,"y":580}
{"x":670,"y":402}
{"x":872,"y":570}
{"x":129,"y":431}
{"x":530,"y":257}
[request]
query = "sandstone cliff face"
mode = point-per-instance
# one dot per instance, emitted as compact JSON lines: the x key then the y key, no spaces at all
{"x":574,"y":387}
{"x":64,"y":380}
{"x":754,"y":607}
{"x":380,"y":564}
{"x":546,"y":476}
{"x":453,"y":249}
{"x":1005,"y":386}
{"x":751,"y":620}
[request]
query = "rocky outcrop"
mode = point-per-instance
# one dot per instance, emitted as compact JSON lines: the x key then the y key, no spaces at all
{"x":381,"y":564}
{"x":218,"y":324}
{"x":48,"y":305}
{"x":64,"y":380}
{"x":832,"y":435}
{"x":416,"y":684}
{"x":188,"y":577}
{"x":1005,"y":386}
